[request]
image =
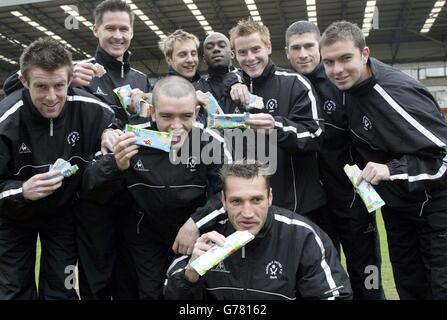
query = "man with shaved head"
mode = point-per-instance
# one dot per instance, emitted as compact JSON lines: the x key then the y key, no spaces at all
{"x":166,"y":197}
{"x":218,"y":56}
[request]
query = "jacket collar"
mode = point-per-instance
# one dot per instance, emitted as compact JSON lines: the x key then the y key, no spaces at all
{"x":318,"y":73}
{"x":109,"y":62}
{"x":268,"y":70}
{"x":172,"y":72}
{"x":219,"y":71}
{"x":265,"y":231}
{"x":366,"y":85}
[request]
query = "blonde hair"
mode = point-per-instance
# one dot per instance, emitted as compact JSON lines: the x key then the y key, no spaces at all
{"x":166,"y":45}
{"x":246,"y":27}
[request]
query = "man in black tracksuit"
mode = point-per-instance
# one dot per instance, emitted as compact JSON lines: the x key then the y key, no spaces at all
{"x":290,"y":107}
{"x":181,"y":51}
{"x":399,"y":132}
{"x":165,"y":195}
{"x":100,"y":244}
{"x":345,"y":219}
{"x":218,"y":56}
{"x":290,"y":257}
{"x":40,"y":123}
{"x":119,"y":73}
{"x":105,"y":265}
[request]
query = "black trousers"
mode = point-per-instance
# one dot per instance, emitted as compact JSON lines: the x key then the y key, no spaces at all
{"x":417,"y":241}
{"x":151,"y":254}
{"x":57,"y":261}
{"x":356,"y":231}
{"x":106,"y":268}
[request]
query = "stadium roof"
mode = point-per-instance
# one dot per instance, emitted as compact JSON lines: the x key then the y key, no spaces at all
{"x":400,"y":31}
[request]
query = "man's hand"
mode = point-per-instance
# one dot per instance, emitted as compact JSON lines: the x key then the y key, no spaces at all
{"x":374,"y":173}
{"x":261,"y":121}
{"x":83,"y":73}
{"x":108,"y":140}
{"x":124,"y":149}
{"x":186,"y":237}
{"x":239,"y":93}
{"x":202,"y":245}
{"x":201,"y":97}
{"x":135,"y":96}
{"x":42,"y":185}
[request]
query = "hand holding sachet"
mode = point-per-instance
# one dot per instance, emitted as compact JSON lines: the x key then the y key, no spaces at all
{"x":367,"y":193}
{"x":217,"y":253}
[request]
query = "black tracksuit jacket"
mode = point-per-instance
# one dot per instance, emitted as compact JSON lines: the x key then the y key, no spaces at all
{"x":168,"y":194}
{"x":394,"y":120}
{"x":336,"y":147}
{"x":290,"y":258}
{"x":29,"y":144}
{"x":118,"y":74}
{"x":214,"y":83}
{"x":290,"y":99}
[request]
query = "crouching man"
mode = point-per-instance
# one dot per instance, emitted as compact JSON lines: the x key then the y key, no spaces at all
{"x":290,"y":257}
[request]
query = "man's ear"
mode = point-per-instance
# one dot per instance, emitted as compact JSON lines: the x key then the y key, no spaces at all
{"x":23,"y":81}
{"x":196,"y":110}
{"x":270,"y":197}
{"x":70,"y":79}
{"x":365,"y":55}
{"x":269,"y":48}
{"x":286,"y":50}
{"x":168,"y":60}
{"x":95,"y":31}
{"x":152,"y":113}
{"x":222,"y":198}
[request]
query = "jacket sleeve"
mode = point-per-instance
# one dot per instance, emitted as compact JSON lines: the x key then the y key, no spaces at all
{"x":177,"y":287}
{"x":301,"y":130}
{"x":231,"y":78}
{"x":12,"y":202}
{"x":419,"y":137}
{"x":12,"y":83}
{"x":320,"y":275}
{"x":102,"y":179}
{"x":213,"y":209}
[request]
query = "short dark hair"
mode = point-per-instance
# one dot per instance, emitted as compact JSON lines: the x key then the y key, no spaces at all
{"x":244,"y":170}
{"x":300,"y":27}
{"x":113,"y":6}
{"x":47,"y":54}
{"x":343,"y":31}
{"x":172,"y":86}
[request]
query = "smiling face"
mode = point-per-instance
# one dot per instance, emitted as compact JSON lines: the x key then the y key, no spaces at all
{"x":175,"y":115}
{"x":114,"y":33}
{"x":303,"y":52}
{"x":184,"y":59}
{"x":345,"y":64}
{"x":217,"y":50}
{"x":247,"y":202}
{"x":252,"y":54}
{"x":48,"y":90}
